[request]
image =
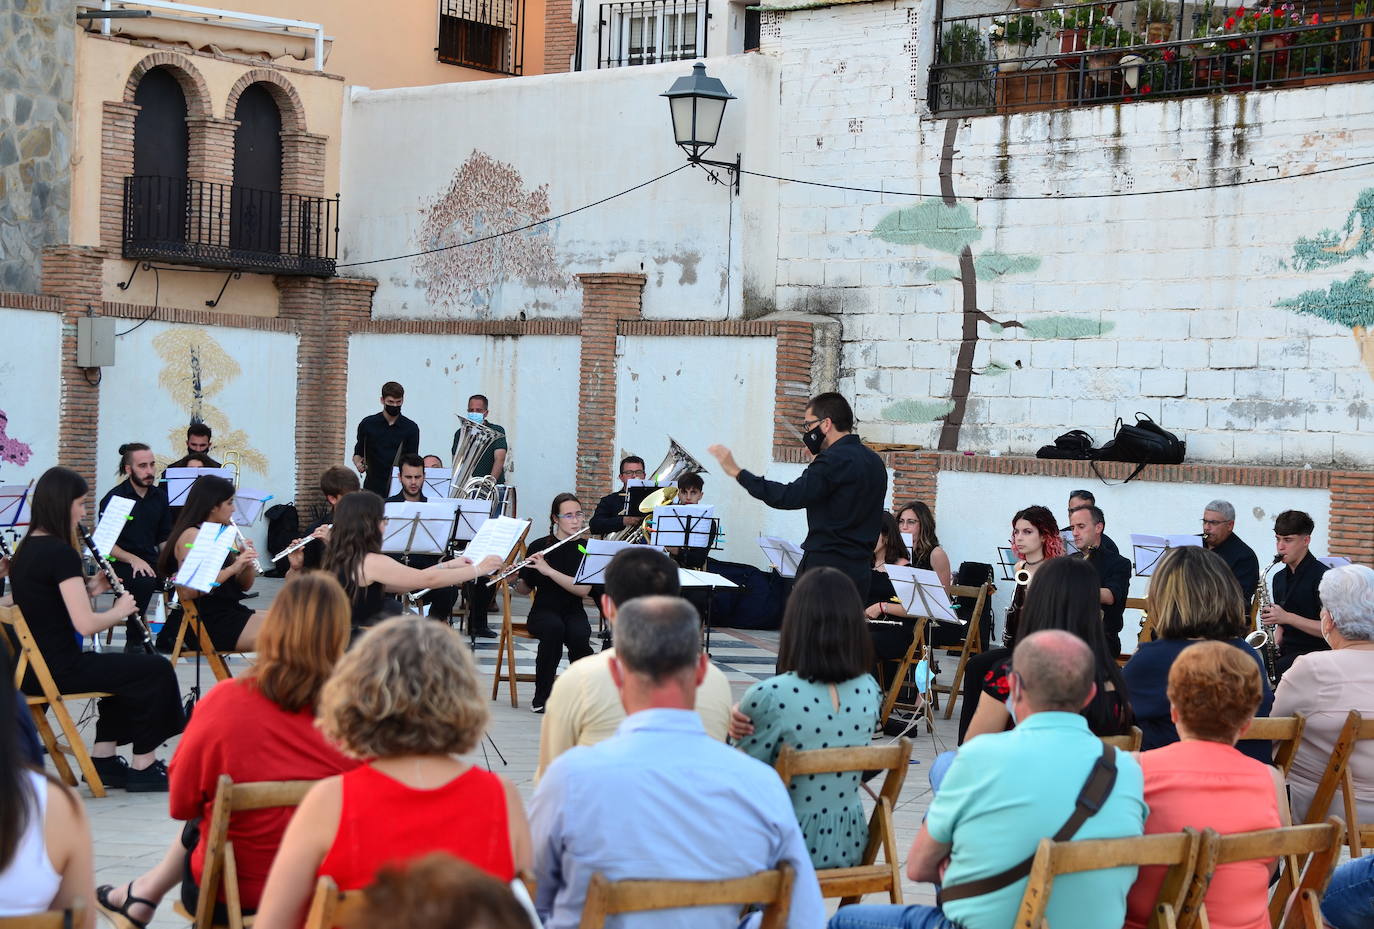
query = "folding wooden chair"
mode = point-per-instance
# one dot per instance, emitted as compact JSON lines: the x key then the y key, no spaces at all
{"x":971,"y":645}
{"x":1185,"y":853}
{"x":909,"y":660}
{"x":1129,"y":742}
{"x":221,"y":868}
{"x":868,"y":876}
{"x":505,"y":647}
{"x":29,"y":659}
{"x":52,"y":919}
{"x":1284,"y":731}
{"x":1337,"y":776}
{"x":190,"y":622}
{"x":333,"y":907}
{"x":608,"y":898}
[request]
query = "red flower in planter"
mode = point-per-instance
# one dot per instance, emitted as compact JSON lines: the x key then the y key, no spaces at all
{"x":1170,"y":54}
{"x":1230,"y":22}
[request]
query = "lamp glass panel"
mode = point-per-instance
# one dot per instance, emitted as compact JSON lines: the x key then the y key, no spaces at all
{"x":682,"y":109}
{"x":710,"y":112}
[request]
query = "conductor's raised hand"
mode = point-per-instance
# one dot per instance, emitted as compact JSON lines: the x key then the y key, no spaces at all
{"x":726,"y":459}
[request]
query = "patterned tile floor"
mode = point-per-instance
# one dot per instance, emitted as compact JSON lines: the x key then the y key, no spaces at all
{"x":132,"y":831}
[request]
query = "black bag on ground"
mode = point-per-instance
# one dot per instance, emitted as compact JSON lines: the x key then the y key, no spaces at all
{"x":1075,"y":445}
{"x":283,"y":528}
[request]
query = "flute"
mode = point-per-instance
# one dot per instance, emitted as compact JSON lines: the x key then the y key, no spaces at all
{"x":519,"y":565}
{"x":298,"y":545}
{"x":116,"y":585}
{"x":257,"y":565}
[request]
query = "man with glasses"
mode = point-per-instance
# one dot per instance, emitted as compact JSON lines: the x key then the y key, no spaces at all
{"x":842,"y":491}
{"x":608,"y":518}
{"x":1219,"y":534}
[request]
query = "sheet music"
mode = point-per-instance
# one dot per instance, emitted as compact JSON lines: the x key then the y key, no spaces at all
{"x":685,"y":524}
{"x":179,"y":481}
{"x":1146,"y":549}
{"x":1069,"y":547}
{"x":784,"y":555}
{"x":497,"y":536}
{"x":1335,"y":561}
{"x":418,"y":527}
{"x":909,"y":539}
{"x":688,"y":578}
{"x":206,"y":557}
{"x":14,"y":505}
{"x":922,"y":594}
{"x":248,"y":505}
{"x":471,"y":514}
{"x":111,"y":524}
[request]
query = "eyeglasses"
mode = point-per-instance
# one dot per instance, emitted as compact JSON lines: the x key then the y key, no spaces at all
{"x":639,"y":473}
{"x":576,"y":515}
{"x":809,"y":424}
{"x":1215,"y":522}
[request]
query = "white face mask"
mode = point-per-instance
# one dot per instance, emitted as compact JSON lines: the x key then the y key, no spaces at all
{"x":476,"y":417}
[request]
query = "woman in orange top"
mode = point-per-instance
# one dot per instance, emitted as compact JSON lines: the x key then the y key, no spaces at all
{"x":407,"y":698}
{"x":1204,"y":781}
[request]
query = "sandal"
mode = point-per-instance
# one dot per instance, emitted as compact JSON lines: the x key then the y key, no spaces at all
{"x":119,"y":915}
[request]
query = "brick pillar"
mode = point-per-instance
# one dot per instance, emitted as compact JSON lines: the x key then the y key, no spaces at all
{"x":1351,"y":526}
{"x":792,"y":379}
{"x":302,"y":163}
{"x":116,"y":163}
{"x":72,"y":274}
{"x":914,"y":476}
{"x":560,"y":37}
{"x":210,"y":160}
{"x":325,"y":313}
{"x":606,"y":299}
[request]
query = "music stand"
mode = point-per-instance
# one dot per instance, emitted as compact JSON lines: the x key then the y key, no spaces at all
{"x":179,"y":481}
{"x":1146,"y":550}
{"x":471,"y":514}
{"x":1006,"y":557}
{"x":685,"y":525}
{"x":436,"y":483}
{"x":14,"y":505}
{"x":783,"y":556}
{"x":417,"y":528}
{"x":689,"y":578}
{"x":248,"y":505}
{"x":596,"y":555}
{"x":1070,"y":547}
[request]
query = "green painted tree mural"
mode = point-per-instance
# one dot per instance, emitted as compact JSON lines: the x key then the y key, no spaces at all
{"x":1348,"y":302}
{"x":947,"y":226}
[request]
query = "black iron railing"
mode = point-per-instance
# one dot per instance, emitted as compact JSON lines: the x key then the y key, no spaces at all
{"x":1102,"y":51}
{"x":645,"y":32}
{"x":225,"y":226}
{"x":488,"y":35}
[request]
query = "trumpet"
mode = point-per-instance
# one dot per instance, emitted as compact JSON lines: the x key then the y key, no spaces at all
{"x":520,"y":565}
{"x":243,"y":540}
{"x":116,"y":585}
{"x":298,"y":545}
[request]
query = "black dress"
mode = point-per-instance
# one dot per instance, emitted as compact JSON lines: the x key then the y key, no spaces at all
{"x":891,"y":636}
{"x":145,"y":708}
{"x":557,"y":618}
{"x":223,"y":614}
{"x":369,"y":604}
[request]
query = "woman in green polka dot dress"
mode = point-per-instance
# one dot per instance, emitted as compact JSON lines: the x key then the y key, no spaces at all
{"x":822,"y":697}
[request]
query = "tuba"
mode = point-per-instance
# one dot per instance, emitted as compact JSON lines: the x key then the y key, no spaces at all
{"x":676,"y":463}
{"x":473,"y":441}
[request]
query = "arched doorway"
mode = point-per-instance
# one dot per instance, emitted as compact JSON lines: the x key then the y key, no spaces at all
{"x":256,"y":209}
{"x":157,"y":192}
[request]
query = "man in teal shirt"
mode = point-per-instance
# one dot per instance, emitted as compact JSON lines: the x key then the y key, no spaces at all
{"x":1007,"y":791}
{"x":492,"y":464}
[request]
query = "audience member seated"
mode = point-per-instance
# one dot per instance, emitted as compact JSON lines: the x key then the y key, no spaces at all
{"x":1005,"y":792}
{"x":1064,"y":594}
{"x":408,"y":699}
{"x":260,"y":727}
{"x":1325,"y":686}
{"x":1202,"y":781}
{"x":45,"y":841}
{"x":584,"y":705}
{"x":661,"y":798}
{"x":892,"y":626}
{"x":441,"y":892}
{"x":1193,"y":598}
{"x":822,"y":697}
{"x":1349,"y":899}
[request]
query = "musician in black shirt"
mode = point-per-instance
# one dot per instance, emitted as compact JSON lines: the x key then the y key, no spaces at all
{"x":198,"y":442}
{"x":842,"y":491}
{"x":1113,"y":571}
{"x":382,"y":439}
{"x":334,"y":483}
{"x":135,"y":552}
{"x":1079,"y":498}
{"x":558,"y":616}
{"x":441,"y":599}
{"x":1219,"y":534}
{"x":607,"y":518}
{"x":1297,"y":602}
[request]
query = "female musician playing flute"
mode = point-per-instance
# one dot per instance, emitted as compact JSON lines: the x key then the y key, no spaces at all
{"x":53,"y":595}
{"x":558,"y":616}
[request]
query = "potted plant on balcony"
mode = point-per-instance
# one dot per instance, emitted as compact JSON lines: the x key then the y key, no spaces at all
{"x":1012,"y":37}
{"x":964,"y":59}
{"x":1156,"y":19}
{"x":1072,"y":26}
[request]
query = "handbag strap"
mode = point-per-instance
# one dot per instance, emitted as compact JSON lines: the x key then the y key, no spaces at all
{"x":1092,"y":463}
{"x":1096,"y":789}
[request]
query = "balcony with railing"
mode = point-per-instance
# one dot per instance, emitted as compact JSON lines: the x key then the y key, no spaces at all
{"x":1114,"y":51}
{"x":487,"y":35}
{"x":192,"y":222}
{"x":645,"y":32}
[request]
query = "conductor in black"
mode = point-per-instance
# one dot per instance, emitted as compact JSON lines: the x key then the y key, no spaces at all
{"x":842,"y":490}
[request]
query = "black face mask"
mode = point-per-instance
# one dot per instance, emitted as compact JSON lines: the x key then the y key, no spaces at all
{"x":813,"y":439}
{"x":391,"y":410}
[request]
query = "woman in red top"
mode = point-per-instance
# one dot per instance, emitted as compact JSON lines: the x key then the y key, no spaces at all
{"x":255,"y":728}
{"x":406,"y":697}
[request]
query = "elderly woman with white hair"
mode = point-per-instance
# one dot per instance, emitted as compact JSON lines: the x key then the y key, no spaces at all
{"x":1326,"y":686}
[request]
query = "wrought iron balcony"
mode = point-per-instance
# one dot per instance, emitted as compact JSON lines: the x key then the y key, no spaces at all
{"x":645,"y":32}
{"x":1110,"y":51}
{"x":226,"y":226}
{"x":488,"y":35}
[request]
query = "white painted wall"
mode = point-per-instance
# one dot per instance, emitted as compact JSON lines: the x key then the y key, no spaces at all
{"x":975,"y":512}
{"x":531,"y":382}
{"x":30,"y":389}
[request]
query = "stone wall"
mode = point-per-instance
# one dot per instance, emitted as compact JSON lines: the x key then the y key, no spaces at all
{"x":37,"y":57}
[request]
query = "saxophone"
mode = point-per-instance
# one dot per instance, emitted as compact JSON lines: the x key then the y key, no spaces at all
{"x":1264,"y":642}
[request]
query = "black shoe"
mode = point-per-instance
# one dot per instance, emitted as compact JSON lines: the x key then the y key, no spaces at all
{"x":481,"y":634}
{"x":152,"y":779}
{"x":113,"y":771}
{"x":537,"y":708}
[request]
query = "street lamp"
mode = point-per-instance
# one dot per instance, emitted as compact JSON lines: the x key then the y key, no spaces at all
{"x":697,"y":104}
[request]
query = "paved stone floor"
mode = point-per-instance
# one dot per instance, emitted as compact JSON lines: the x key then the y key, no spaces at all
{"x":133,"y":831}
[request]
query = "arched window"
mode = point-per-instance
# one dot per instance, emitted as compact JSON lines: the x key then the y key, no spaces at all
{"x":256,"y":209}
{"x":157,"y":192}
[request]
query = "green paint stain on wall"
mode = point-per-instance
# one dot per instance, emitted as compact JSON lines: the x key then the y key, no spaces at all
{"x":1337,"y":246}
{"x":1066,"y":327}
{"x":932,"y":224}
{"x":1346,"y":303}
{"x":917,"y":411}
{"x":993,"y":265}
{"x":940,"y":275}
{"x":994,"y":369}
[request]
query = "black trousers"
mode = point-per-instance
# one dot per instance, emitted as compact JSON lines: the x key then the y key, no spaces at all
{"x":556,"y":629}
{"x":859,"y":570}
{"x":146,"y":707}
{"x":479,"y":597}
{"x":143,"y":588}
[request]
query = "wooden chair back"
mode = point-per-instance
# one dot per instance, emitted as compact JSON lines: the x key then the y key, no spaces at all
{"x":909,"y":660}
{"x":334,"y":907}
{"x":608,"y":898}
{"x":190,"y":622}
{"x":1147,"y":627}
{"x":1311,"y":851}
{"x":971,"y":644}
{"x":28,"y":659}
{"x":52,"y":919}
{"x":1338,"y":777}
{"x":1127,"y":742}
{"x":1284,"y":731}
{"x":1183,"y":852}
{"x":850,"y":884}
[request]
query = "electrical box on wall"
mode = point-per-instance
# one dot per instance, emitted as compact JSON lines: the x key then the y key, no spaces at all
{"x":95,"y":341}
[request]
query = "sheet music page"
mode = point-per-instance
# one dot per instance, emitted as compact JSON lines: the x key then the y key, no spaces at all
{"x":248,"y":505}
{"x":112,"y":524}
{"x":497,"y":536}
{"x":596,"y":554}
{"x":1335,"y":561}
{"x":922,"y":594}
{"x":1069,"y":547}
{"x":397,"y":521}
{"x":689,"y":578}
{"x":436,"y":482}
{"x":684,"y":524}
{"x":1183,"y":541}
{"x":909,"y":539}
{"x":14,"y":505}
{"x":784,"y":555}
{"x":206,"y":557}
{"x":179,"y":481}
{"x":472,"y":513}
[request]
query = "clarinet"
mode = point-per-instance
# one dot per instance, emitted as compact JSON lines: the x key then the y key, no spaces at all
{"x":116,"y":585}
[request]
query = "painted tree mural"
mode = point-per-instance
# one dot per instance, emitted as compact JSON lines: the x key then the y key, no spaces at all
{"x":1348,"y":302}
{"x":947,"y":226}
{"x":195,"y":368}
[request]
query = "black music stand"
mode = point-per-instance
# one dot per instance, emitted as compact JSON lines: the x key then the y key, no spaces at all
{"x":1006,"y":557}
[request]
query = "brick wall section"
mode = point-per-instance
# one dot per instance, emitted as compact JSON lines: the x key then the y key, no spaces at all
{"x":607,"y":299}
{"x":792,"y":387}
{"x":17,"y":301}
{"x":914,"y":476}
{"x":502,"y":327}
{"x":1351,"y":531}
{"x":71,"y":273}
{"x":116,"y":163}
{"x":560,"y":36}
{"x":184,"y":317}
{"x":302,"y":162}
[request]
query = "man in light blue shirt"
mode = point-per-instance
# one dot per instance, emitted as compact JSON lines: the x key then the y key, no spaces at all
{"x":1007,"y":791}
{"x":661,"y":799}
